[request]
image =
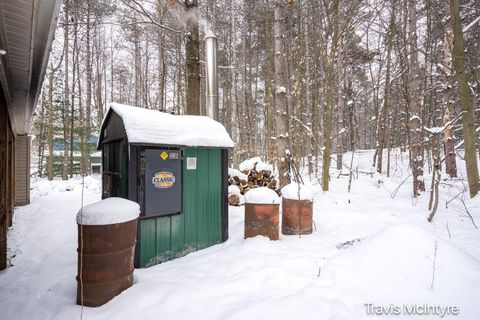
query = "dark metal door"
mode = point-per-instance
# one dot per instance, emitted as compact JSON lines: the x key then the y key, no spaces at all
{"x":163,"y":182}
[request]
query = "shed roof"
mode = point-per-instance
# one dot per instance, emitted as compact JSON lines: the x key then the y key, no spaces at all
{"x":154,"y":127}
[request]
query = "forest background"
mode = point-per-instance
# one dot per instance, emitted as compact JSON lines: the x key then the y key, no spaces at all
{"x":301,"y":81}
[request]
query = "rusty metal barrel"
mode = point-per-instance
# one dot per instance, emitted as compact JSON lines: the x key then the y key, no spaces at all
{"x":107,"y":232}
{"x":297,"y":210}
{"x":262,"y":213}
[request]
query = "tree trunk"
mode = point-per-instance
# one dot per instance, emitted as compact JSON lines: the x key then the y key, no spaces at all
{"x":308,"y":94}
{"x":466,"y":100}
{"x":75,"y":58}
{"x":88,"y":103}
{"x":42,"y":134}
{"x":416,"y":124}
{"x":281,"y":98}
{"x":340,"y":103}
{"x":98,"y":50}
{"x":233,"y":85}
{"x":446,"y":94}
{"x":137,"y":66}
{"x":66,"y":97}
{"x":161,"y":59}
{"x":50,"y":126}
{"x":382,"y":121}
{"x":328,"y":113}
{"x":193,"y":60}
{"x":269,"y":90}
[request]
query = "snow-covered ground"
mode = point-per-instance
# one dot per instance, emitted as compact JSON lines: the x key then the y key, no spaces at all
{"x":371,"y":248}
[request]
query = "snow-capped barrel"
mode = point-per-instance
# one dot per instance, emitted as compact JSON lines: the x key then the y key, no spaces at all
{"x":261,"y":213}
{"x":297,"y":209}
{"x":107,"y":232}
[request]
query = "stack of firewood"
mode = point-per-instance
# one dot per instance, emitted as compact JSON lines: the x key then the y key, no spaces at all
{"x":254,"y":173}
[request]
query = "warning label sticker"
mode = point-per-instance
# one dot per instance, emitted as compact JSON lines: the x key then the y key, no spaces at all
{"x":163,"y":180}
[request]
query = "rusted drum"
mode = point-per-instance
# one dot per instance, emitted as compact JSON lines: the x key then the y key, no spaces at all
{"x":106,"y":247}
{"x":261,"y":220}
{"x":106,"y":263}
{"x":261,"y":213}
{"x":296,"y":216}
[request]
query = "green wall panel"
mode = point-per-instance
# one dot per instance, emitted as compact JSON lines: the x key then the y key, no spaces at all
{"x":190,"y":201}
{"x":177,"y":234}
{"x":147,"y":241}
{"x":163,"y":248}
{"x":214,"y":197}
{"x":203,"y":191}
{"x":199,"y":224}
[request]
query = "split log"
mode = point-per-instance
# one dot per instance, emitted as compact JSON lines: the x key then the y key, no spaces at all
{"x":233,"y":200}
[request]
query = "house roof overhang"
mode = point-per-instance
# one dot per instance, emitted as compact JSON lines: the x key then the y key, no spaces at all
{"x":27,"y":28}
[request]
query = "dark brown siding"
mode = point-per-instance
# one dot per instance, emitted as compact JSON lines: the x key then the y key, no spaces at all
{"x":22,"y":176}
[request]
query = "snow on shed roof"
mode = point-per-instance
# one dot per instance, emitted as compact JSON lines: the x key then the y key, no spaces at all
{"x":155,"y":127}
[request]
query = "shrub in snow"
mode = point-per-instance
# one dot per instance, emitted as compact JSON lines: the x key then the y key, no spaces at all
{"x":44,"y":188}
{"x":108,"y":211}
{"x":262,"y":195}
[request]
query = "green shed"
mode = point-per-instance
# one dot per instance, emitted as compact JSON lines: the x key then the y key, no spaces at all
{"x":176,"y":168}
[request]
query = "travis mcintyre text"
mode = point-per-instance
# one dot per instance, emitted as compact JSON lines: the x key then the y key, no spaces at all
{"x":411,"y":309}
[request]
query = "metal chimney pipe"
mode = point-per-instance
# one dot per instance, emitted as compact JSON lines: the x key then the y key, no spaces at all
{"x":211,"y":88}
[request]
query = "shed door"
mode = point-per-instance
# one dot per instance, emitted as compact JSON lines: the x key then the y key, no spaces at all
{"x":114,"y":169}
{"x":163,"y":182}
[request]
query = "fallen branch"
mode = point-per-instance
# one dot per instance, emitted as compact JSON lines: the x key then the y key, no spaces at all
{"x":468,"y":213}
{"x":394,"y":193}
{"x":434,"y":264}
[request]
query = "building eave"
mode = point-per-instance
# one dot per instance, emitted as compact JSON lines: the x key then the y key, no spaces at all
{"x":27,"y":28}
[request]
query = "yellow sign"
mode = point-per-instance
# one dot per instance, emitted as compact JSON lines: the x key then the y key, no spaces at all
{"x":164,"y":155}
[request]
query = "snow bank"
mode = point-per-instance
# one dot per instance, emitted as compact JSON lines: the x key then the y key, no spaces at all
{"x":255,"y":163}
{"x":108,"y":211}
{"x":43,"y":187}
{"x":296,"y":191}
{"x":235,"y":173}
{"x":262,"y":195}
{"x":151,"y":126}
{"x":300,"y":278}
{"x":401,"y":259}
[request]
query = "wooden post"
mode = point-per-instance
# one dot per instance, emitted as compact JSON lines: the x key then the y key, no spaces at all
{"x":3,"y":186}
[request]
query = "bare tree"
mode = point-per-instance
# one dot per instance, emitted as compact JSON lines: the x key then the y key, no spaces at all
{"x":416,"y":148}
{"x":281,"y":98}
{"x":193,"y":58}
{"x":466,"y":100}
